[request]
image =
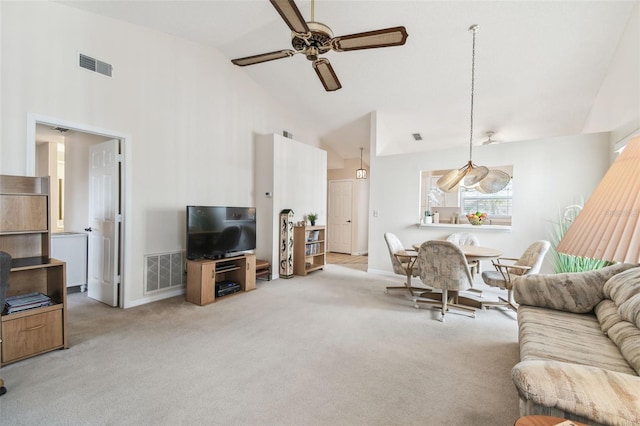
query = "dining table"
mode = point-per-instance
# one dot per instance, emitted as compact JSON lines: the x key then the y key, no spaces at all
{"x":473,"y":253}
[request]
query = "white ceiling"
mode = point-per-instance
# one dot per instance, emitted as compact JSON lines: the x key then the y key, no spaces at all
{"x":539,"y":64}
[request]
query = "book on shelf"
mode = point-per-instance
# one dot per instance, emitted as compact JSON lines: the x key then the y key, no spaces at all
{"x":312,"y":249}
{"x":313,"y":235}
{"x":26,"y":301}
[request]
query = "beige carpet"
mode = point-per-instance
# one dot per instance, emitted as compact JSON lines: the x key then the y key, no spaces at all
{"x":327,"y":349}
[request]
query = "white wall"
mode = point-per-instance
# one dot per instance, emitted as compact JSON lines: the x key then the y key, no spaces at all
{"x":190,"y":113}
{"x":549,"y":174}
{"x":617,"y":105}
{"x":295,"y":176}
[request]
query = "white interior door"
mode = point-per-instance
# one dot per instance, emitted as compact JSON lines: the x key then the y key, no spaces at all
{"x":104,"y":222}
{"x":339,"y":220}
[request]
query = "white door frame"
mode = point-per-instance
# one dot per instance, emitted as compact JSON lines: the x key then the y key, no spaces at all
{"x":125,"y":194}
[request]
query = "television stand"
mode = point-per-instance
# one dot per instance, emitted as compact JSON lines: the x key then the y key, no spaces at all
{"x":203,"y":274}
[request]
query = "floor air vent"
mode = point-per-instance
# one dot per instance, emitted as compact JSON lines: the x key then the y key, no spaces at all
{"x":163,"y":271}
{"x":95,"y":65}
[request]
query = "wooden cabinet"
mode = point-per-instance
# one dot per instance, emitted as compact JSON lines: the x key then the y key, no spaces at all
{"x":204,"y":274}
{"x":308,"y":249}
{"x":25,"y":235}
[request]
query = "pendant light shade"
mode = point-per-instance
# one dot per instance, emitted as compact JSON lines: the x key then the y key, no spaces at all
{"x":361,"y":173}
{"x":471,"y":175}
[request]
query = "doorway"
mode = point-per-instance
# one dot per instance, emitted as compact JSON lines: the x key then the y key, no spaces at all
{"x":70,"y":193}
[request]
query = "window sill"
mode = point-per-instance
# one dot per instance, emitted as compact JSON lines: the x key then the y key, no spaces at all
{"x":465,"y":226}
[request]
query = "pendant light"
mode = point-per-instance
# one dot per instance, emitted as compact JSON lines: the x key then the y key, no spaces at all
{"x":471,"y":175}
{"x":361,"y":173}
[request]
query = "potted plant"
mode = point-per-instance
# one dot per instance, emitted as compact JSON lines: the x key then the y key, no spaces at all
{"x":312,"y":217}
{"x":565,"y":262}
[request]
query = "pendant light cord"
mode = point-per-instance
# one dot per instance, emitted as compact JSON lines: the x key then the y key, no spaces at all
{"x":474,"y":29}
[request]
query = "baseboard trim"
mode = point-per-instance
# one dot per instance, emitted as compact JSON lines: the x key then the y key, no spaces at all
{"x":156,"y":297}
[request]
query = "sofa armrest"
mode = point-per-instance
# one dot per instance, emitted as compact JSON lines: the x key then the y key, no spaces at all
{"x":577,"y":292}
{"x":577,"y":391}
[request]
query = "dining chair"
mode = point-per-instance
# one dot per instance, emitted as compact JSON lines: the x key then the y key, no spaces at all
{"x":401,"y":265}
{"x":467,"y":239}
{"x":506,"y":268}
{"x":442,"y":265}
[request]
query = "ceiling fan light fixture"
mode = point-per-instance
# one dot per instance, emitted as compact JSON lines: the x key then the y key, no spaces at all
{"x":471,"y":175}
{"x":313,"y":39}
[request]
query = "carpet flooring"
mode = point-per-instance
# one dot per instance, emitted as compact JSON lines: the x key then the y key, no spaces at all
{"x":331,"y":348}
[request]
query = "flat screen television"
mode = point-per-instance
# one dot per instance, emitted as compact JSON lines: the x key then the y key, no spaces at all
{"x":214,"y":232}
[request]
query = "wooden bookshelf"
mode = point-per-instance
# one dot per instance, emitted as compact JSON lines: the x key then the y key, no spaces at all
{"x":25,"y":235}
{"x":308,"y":249}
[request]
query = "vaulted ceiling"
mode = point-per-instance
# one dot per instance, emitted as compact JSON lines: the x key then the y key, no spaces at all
{"x":539,"y":64}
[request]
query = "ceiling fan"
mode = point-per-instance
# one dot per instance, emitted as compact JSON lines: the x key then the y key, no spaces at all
{"x":315,"y":38}
{"x":490,"y":141}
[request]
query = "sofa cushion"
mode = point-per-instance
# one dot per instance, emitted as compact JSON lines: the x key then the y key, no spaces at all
{"x":546,"y":334}
{"x":577,"y":292}
{"x":607,"y":314}
{"x":626,"y":336}
{"x":621,"y":288}
{"x":580,"y":392}
{"x":630,"y":310}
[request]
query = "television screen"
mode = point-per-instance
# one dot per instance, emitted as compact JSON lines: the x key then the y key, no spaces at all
{"x":214,"y":231}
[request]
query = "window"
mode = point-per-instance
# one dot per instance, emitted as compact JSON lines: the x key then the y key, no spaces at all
{"x":498,"y":205}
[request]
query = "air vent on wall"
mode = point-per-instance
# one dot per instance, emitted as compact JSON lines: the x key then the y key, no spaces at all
{"x":417,"y":136}
{"x":95,"y":65}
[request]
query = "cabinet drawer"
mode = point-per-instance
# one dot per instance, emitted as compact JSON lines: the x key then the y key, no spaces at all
{"x":31,"y":335}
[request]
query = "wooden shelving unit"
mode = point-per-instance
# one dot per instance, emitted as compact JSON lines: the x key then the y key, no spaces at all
{"x":308,"y":249}
{"x":25,"y":235}
{"x":203,"y":274}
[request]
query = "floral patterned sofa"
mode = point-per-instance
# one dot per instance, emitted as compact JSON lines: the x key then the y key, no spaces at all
{"x":579,"y":337}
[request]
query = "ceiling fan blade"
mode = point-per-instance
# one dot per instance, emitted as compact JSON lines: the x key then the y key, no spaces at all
{"x":291,"y":15}
{"x":326,"y":74}
{"x":387,"y":37}
{"x":264,"y":57}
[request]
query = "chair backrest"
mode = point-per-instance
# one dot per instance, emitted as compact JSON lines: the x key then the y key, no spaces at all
{"x":5,"y":268}
{"x":394,"y":245}
{"x":532,"y":257}
{"x":443,"y":265}
{"x":464,"y":239}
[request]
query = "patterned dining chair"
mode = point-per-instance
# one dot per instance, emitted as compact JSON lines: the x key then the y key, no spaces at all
{"x":400,"y":264}
{"x":467,"y":239}
{"x":442,"y":265}
{"x":506,"y":268}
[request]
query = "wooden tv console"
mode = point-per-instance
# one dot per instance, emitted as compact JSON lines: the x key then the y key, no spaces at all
{"x":203,"y":274}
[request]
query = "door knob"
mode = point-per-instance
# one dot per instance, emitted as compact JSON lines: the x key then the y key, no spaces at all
{"x":88,"y":229}
{"x":348,"y":221}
